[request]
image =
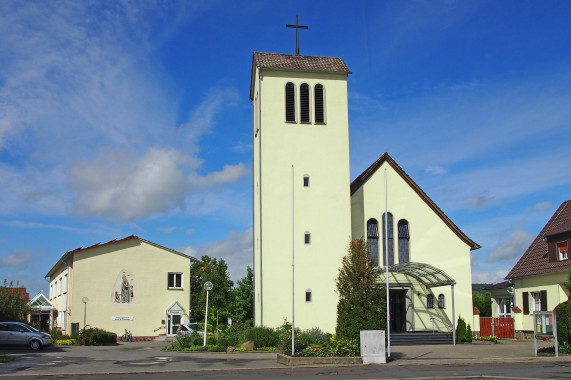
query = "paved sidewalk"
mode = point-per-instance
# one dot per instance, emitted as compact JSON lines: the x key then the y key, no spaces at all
{"x":503,"y":351}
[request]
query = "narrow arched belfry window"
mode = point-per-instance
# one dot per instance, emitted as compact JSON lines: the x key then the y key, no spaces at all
{"x":373,"y":240}
{"x":430,"y":301}
{"x":404,"y":238}
{"x":304,"y":103}
{"x":389,"y":229}
{"x":290,"y":102}
{"x":319,"y":104}
{"x":441,"y":301}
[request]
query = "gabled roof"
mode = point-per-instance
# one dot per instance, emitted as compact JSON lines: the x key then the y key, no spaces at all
{"x":68,"y":256}
{"x":300,"y":63}
{"x":40,"y":301}
{"x":368,"y":173}
{"x":535,"y":260}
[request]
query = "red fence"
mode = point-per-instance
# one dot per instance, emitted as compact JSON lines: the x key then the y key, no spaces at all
{"x":502,"y":327}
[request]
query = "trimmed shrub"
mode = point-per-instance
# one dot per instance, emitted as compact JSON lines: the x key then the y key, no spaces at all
{"x":263,"y":336}
{"x":96,"y":337}
{"x":468,"y":336}
{"x":563,"y":315}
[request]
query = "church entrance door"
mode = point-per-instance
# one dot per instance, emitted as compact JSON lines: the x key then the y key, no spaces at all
{"x":397,"y":305}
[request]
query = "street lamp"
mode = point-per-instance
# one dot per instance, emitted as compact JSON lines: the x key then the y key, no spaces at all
{"x":84,"y":300}
{"x":208,"y":288}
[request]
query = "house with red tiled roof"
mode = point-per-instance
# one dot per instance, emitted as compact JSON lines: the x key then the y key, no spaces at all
{"x":124,"y":284}
{"x":539,"y":274}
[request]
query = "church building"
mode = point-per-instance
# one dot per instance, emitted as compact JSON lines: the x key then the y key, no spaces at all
{"x":306,"y":210}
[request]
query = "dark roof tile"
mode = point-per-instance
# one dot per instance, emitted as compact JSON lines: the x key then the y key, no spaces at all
{"x":535,"y":259}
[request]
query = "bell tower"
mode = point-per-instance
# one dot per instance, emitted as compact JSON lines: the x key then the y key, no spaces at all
{"x":300,"y":120}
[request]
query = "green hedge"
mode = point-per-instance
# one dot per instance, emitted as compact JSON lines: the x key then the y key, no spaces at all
{"x":96,"y":337}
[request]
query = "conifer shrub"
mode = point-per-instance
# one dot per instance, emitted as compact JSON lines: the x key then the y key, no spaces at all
{"x":362,"y":304}
{"x":468,"y":334}
{"x":461,"y":330}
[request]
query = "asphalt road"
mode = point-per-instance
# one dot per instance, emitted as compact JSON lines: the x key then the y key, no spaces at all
{"x":145,"y":360}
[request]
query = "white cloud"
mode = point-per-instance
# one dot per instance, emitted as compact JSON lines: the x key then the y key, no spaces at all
{"x":481,"y":201}
{"x":488,"y":276}
{"x":17,"y":259}
{"x":511,"y":250}
{"x":235,"y":249}
{"x":435,"y":170}
{"x":127,"y":188}
{"x":542,"y":206}
{"x":230,"y":174}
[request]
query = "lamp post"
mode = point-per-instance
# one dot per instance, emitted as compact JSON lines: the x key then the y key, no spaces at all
{"x":208,"y":288}
{"x":84,"y":300}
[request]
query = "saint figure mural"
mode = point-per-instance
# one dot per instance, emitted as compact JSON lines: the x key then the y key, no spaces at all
{"x":123,"y":292}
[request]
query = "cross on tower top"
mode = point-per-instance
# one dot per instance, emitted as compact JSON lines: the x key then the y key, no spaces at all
{"x":297,"y":28}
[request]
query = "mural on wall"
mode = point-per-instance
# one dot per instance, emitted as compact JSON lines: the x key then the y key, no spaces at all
{"x":124,"y":289}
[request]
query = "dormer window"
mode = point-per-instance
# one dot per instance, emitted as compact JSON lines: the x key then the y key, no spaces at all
{"x":562,"y":251}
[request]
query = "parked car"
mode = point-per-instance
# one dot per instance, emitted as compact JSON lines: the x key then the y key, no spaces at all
{"x":188,"y":329}
{"x":21,"y":334}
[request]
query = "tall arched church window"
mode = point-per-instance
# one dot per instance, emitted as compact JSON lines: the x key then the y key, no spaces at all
{"x":389,"y":229}
{"x":404,"y":238}
{"x":319,"y":104}
{"x":290,"y":102}
{"x":304,"y":103}
{"x":373,"y":240}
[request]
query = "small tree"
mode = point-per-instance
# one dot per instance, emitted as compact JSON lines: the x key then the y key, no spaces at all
{"x":215,"y":271}
{"x":13,"y":306}
{"x":362,"y":304}
{"x":242,"y":300}
{"x":483,"y":302}
{"x":461,"y":330}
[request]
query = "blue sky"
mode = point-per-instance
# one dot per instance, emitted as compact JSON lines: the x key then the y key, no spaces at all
{"x":120,"y":118}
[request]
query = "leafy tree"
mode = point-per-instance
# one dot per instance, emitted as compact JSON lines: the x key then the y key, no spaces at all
{"x":483,"y":302}
{"x":13,"y":306}
{"x":241,"y":307}
{"x":215,"y":271}
{"x":362,"y":304}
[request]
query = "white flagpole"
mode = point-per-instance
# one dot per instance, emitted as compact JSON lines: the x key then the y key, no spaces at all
{"x":387,"y":268}
{"x":292,"y":273}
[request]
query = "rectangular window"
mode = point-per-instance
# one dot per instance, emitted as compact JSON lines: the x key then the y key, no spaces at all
{"x":562,"y":251}
{"x":307,"y":238}
{"x":505,"y":307}
{"x":536,"y":304}
{"x":305,"y":181}
{"x":308,"y":296}
{"x":65,"y":284}
{"x":51,"y":291}
{"x":175,"y":281}
{"x":59,"y":287}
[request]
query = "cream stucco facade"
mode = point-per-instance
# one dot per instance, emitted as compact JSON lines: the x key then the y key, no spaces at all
{"x":289,"y":147}
{"x":128,"y":284}
{"x":431,"y":239}
{"x":319,"y":152}
{"x":550,"y":283}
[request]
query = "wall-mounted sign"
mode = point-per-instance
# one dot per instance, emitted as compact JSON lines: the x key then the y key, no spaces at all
{"x":122,"y":318}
